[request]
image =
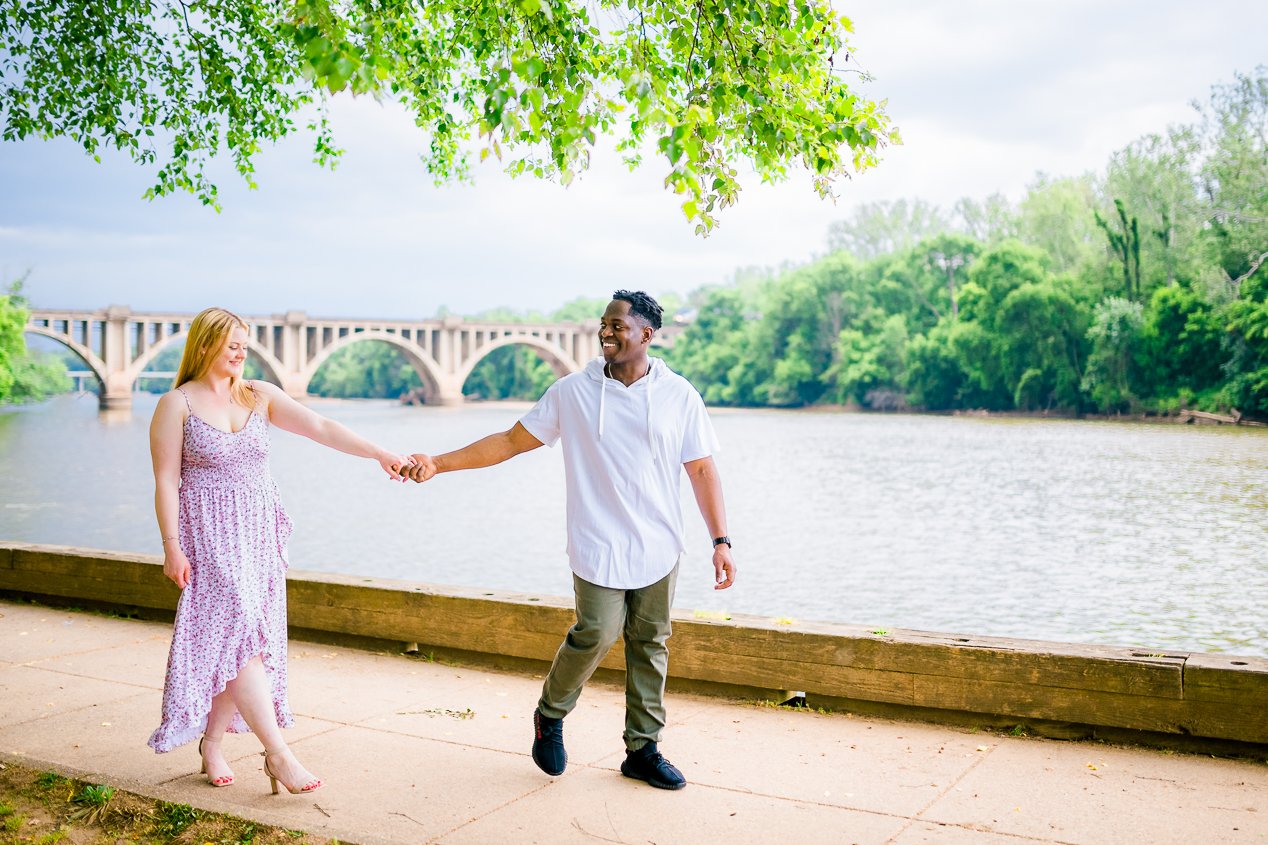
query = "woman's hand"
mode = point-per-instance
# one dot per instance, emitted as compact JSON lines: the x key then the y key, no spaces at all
{"x":396,"y":466}
{"x":175,"y":564}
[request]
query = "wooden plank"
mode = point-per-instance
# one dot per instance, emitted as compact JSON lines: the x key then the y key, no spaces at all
{"x":160,"y":595}
{"x":1230,"y":679}
{"x":1235,"y":720}
{"x":1114,"y":670}
{"x":1023,"y":700}
{"x":770,"y":673}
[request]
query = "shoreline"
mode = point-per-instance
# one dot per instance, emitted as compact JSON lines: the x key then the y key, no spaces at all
{"x":1183,"y":417}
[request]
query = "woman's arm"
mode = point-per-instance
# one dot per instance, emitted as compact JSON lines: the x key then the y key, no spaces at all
{"x":167,"y":435}
{"x":289,"y":415}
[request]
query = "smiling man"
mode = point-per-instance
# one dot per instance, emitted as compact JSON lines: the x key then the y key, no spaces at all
{"x":629,"y":426}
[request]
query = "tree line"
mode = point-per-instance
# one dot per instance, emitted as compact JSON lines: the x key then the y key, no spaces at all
{"x":1139,"y":290}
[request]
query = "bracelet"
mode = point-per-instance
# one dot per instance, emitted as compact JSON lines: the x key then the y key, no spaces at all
{"x":165,"y":539}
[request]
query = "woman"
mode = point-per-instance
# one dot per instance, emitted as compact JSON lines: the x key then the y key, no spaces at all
{"x":224,"y":544}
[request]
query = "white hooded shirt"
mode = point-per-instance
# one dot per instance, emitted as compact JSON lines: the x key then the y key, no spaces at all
{"x":624,"y":448}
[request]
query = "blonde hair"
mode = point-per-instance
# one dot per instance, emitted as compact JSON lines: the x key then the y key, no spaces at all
{"x":207,"y":335}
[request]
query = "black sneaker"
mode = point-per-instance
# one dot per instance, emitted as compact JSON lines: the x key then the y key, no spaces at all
{"x":648,"y":764}
{"x":548,"y":744}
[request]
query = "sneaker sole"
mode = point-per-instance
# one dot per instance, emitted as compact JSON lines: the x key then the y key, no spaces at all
{"x":659,"y":784}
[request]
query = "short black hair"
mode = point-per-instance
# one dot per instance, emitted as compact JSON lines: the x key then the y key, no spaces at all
{"x":642,"y":305}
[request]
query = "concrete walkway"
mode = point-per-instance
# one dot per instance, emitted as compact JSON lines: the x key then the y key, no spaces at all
{"x":414,"y":752}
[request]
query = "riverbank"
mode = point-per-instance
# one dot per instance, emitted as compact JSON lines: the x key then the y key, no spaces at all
{"x":423,"y":750}
{"x":1179,"y":417}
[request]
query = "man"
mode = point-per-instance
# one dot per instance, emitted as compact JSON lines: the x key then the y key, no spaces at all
{"x":627,"y":423}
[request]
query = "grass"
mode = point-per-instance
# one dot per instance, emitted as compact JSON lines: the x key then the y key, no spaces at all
{"x":175,"y":819}
{"x":798,"y":704}
{"x":94,"y":803}
{"x":45,"y":808}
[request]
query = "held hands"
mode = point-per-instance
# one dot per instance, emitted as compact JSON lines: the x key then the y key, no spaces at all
{"x":723,"y":567}
{"x":175,"y":564}
{"x":423,"y":467}
{"x":396,"y":466}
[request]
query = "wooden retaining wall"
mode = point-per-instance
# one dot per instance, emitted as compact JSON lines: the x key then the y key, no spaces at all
{"x":986,"y":680}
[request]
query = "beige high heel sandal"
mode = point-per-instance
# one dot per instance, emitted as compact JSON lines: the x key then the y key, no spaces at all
{"x":223,"y":780}
{"x":312,"y":786}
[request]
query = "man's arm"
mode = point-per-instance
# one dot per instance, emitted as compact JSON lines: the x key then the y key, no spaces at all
{"x":485,"y":452}
{"x":707,"y":485}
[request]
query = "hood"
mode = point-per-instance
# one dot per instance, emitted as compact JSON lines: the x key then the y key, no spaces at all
{"x":596,"y":370}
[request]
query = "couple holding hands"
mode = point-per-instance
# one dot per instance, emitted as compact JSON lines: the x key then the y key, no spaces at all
{"x":629,"y":425}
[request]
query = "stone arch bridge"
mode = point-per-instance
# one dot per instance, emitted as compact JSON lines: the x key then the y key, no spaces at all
{"x":118,"y":344}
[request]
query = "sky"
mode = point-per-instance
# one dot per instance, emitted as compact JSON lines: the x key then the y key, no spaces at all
{"x":986,"y":93}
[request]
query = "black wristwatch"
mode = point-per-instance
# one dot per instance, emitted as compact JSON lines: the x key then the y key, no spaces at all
{"x":717,"y":541}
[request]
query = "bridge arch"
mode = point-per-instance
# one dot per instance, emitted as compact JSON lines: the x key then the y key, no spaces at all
{"x":428,"y":370}
{"x":554,"y":355}
{"x":272,"y":367}
{"x":94,"y":363}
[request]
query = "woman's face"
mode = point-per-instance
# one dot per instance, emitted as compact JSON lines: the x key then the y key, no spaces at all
{"x":233,"y":355}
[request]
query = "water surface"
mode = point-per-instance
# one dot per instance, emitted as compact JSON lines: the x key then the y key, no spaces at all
{"x":1153,"y":535}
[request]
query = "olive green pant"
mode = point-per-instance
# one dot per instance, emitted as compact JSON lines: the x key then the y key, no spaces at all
{"x":642,"y":617}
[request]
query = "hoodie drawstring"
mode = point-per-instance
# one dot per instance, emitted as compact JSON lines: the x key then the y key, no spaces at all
{"x":651,"y":441}
{"x":603,"y":395}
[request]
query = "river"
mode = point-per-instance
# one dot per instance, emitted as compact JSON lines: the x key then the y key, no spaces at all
{"x":1136,"y":534}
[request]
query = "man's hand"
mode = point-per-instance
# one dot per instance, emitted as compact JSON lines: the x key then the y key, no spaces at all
{"x":423,"y":469}
{"x":723,"y":567}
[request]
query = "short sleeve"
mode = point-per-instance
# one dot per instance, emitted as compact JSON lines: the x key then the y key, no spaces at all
{"x":698,"y":438}
{"x":542,"y":420}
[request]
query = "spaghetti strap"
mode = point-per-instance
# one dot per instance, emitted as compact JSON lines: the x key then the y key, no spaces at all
{"x":188,"y":406}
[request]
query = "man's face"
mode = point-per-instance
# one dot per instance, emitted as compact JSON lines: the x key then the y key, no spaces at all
{"x":623,"y":336}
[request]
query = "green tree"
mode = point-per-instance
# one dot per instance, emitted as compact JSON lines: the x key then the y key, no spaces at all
{"x":1123,"y":234}
{"x":885,"y":227}
{"x":1040,"y":339}
{"x":870,"y":366}
{"x":1154,"y":176}
{"x":1021,"y":318}
{"x":1181,"y":354}
{"x":708,"y":86}
{"x":712,"y":346}
{"x":989,"y":221}
{"x":509,"y":372}
{"x":952,"y":366}
{"x":1057,"y":216}
{"x":368,"y":369}
{"x":1116,"y":335}
{"x":24,"y":376}
{"x":1234,"y":176}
